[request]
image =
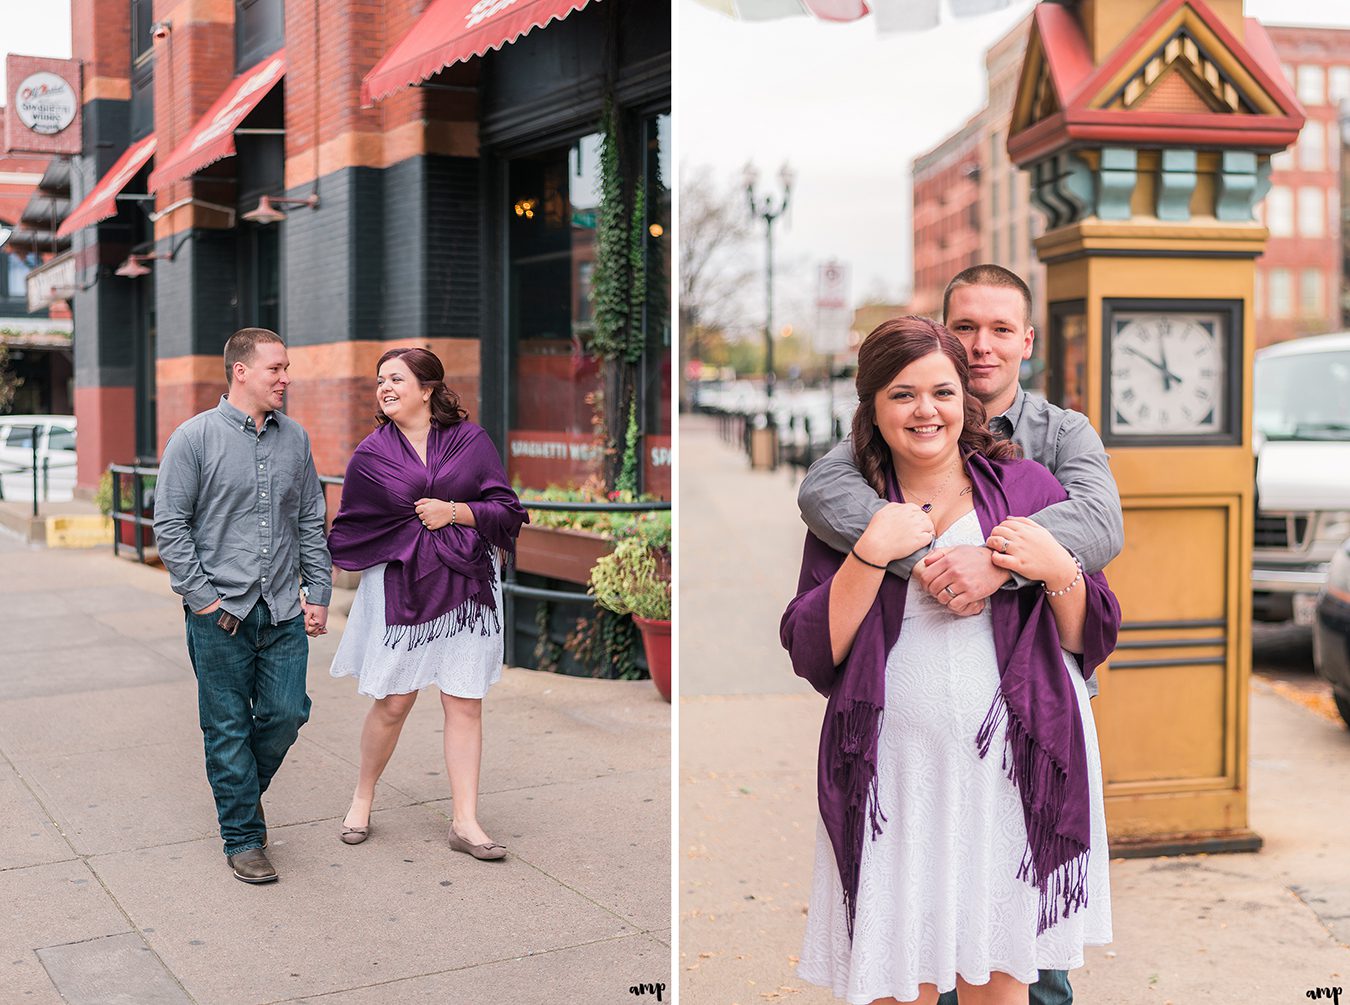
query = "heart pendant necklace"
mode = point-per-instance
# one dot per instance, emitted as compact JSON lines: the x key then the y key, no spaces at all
{"x":928,"y":506}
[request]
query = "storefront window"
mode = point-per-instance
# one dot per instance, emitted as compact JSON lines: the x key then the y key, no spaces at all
{"x":552,"y":210}
{"x":656,"y":383}
{"x":14,"y":269}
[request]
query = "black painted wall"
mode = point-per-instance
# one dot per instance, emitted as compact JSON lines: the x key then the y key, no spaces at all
{"x":104,"y":311}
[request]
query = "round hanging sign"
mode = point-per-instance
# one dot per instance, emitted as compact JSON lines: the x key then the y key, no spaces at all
{"x":45,"y":103}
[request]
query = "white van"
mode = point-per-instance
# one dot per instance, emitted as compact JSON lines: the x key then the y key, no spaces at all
{"x":55,"y":457}
{"x":1302,"y":441}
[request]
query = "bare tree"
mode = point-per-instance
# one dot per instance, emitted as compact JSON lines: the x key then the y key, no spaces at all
{"x":714,"y":272}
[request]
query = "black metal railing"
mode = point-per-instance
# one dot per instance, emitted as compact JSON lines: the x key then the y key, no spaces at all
{"x":795,"y":445}
{"x":9,"y":468}
{"x":142,"y":512}
{"x":142,"y":516}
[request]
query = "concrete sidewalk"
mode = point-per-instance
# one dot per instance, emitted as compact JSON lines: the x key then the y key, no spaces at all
{"x":112,"y":880}
{"x":1263,"y":927}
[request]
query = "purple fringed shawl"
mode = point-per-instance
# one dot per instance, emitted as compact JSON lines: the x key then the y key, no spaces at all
{"x":1045,"y":753}
{"x":437,"y":581}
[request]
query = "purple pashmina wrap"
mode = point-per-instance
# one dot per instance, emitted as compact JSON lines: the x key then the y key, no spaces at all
{"x":437,"y":581}
{"x":1045,"y":753}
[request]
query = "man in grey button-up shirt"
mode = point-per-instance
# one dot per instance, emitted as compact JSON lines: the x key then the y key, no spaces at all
{"x":239,"y":515}
{"x":989,"y":309}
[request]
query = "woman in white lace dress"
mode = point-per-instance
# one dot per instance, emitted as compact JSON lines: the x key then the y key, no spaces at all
{"x":962,"y":836}
{"x":427,"y":515}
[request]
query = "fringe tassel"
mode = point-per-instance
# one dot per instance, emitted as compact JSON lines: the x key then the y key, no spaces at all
{"x":473,"y":613}
{"x":1055,"y":864}
{"x":858,"y":726}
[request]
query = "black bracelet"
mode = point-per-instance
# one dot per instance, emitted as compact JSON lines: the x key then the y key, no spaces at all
{"x":854,"y":553}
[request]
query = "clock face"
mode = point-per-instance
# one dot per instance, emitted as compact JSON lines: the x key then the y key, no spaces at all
{"x":1168,"y":373}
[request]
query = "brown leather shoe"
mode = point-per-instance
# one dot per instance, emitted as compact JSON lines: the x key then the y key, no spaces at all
{"x":252,"y":866}
{"x":489,"y":852}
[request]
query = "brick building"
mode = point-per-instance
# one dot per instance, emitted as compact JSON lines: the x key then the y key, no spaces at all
{"x":948,"y":218}
{"x":359,"y":175}
{"x":1299,"y":279}
{"x":36,"y":335}
{"x":1005,"y":189}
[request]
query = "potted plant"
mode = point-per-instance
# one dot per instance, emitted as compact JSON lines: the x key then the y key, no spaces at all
{"x":635,"y":579}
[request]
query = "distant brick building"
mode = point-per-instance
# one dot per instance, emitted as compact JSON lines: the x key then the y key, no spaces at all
{"x":1005,"y":189}
{"x":36,"y":337}
{"x":948,"y":218}
{"x":1299,"y":279}
{"x":458,"y":213}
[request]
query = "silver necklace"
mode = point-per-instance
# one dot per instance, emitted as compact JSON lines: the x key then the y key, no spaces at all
{"x":928,"y":506}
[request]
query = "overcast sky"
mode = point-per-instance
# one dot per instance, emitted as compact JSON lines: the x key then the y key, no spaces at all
{"x":33,"y":28}
{"x":849,"y":109}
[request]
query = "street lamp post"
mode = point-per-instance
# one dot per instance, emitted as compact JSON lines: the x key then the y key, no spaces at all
{"x":768,"y":208}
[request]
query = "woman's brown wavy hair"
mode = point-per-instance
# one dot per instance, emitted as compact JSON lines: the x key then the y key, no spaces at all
{"x":426,"y":367}
{"x":892,"y":346}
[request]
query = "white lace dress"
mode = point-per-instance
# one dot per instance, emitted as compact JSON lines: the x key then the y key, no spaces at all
{"x":938,"y":894}
{"x":465,"y":663}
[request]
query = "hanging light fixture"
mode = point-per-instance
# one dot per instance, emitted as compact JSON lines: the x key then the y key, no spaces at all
{"x":134,"y":267}
{"x":266,"y":211}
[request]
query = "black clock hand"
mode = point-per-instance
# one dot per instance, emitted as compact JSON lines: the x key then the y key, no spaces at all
{"x":1168,"y":375}
{"x":1162,"y":358}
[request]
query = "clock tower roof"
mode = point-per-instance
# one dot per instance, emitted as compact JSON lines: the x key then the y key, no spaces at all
{"x":1181,"y":78}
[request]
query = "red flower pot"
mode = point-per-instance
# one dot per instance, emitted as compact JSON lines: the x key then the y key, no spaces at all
{"x":656,"y":644}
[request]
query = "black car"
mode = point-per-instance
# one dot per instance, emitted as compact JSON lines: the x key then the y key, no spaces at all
{"x":1331,"y":631}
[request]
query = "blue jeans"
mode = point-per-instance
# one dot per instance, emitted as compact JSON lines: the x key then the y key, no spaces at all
{"x":1052,"y":989}
{"x":251,"y":703}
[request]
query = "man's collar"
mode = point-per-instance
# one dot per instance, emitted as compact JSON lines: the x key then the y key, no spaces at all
{"x":1014,"y":412}
{"x":242,"y":419}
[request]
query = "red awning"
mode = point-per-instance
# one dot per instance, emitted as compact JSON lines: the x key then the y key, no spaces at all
{"x":212,"y":138}
{"x":451,"y":31}
{"x":101,"y":202}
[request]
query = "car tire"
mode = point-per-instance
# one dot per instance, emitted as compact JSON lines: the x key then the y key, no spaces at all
{"x":1342,"y":706}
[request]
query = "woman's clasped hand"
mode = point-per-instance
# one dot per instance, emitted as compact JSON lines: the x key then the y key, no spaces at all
{"x":1023,"y":546}
{"x":896,"y":530}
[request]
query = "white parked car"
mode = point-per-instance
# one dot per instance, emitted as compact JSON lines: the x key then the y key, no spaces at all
{"x":55,"y":457}
{"x":1302,"y":405}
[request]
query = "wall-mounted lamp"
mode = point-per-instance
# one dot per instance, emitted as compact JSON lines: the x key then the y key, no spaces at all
{"x":525,"y":208}
{"x":134,"y":267}
{"x":267,"y":212}
{"x":159,"y":31}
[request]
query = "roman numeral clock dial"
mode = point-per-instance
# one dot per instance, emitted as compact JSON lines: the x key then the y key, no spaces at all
{"x":1168,"y":375}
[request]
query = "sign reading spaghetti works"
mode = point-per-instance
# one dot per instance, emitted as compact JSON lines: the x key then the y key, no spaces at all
{"x":44,"y":105}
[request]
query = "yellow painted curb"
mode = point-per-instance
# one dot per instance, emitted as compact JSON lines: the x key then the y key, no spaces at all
{"x":78,"y":531}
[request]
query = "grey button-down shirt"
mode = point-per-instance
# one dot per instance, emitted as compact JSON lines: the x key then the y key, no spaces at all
{"x":837,"y":503}
{"x":239,"y":514}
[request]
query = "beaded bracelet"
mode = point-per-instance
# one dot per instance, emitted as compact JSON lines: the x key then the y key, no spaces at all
{"x":452,"y":512}
{"x":854,"y":553}
{"x":1076,"y":580}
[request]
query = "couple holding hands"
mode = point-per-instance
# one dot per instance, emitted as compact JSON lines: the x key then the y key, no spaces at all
{"x":427,"y":515}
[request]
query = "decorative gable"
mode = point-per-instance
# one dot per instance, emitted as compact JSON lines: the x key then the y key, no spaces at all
{"x":1181,"y":79}
{"x":1183,"y":52}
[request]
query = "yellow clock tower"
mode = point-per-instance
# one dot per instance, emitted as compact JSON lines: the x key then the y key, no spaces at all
{"x":1147,"y":128}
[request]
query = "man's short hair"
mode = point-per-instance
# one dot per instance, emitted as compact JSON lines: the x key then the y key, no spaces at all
{"x":988,"y":275}
{"x":243,"y":346}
